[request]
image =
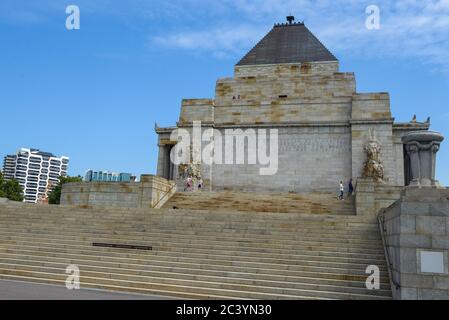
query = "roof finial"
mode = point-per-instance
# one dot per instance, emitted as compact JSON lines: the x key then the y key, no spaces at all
{"x":290,"y":19}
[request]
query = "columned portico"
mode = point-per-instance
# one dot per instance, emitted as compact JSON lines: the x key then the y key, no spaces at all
{"x":165,"y":169}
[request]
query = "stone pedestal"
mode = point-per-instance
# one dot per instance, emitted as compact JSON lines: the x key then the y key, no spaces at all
{"x":422,"y":147}
{"x":416,"y":230}
{"x":371,"y":196}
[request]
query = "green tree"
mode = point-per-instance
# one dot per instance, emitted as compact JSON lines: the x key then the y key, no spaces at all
{"x":2,"y":194}
{"x":55,"y":196}
{"x":12,"y":190}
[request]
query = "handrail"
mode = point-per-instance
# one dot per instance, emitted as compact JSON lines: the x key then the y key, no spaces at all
{"x":163,"y":197}
{"x":386,"y":251}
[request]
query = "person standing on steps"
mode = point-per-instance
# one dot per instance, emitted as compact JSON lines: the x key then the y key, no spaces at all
{"x":350,"y":188}
{"x":200,"y":185}
{"x":188,"y":184}
{"x":342,"y":191}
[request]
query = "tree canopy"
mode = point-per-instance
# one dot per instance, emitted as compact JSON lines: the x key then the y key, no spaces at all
{"x":10,"y":189}
{"x":55,"y":196}
{"x":2,"y":194}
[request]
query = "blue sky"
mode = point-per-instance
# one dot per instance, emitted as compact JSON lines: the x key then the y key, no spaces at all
{"x":94,"y":94}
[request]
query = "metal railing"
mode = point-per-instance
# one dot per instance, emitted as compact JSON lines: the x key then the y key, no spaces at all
{"x":383,"y":230}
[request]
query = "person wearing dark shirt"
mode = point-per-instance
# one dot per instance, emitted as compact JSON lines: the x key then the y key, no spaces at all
{"x":350,"y":188}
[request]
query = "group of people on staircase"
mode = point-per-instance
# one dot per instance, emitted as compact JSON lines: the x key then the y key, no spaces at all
{"x":190,"y":185}
{"x":341,"y":196}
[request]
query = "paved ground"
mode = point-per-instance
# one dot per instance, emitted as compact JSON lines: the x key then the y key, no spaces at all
{"x":16,"y":290}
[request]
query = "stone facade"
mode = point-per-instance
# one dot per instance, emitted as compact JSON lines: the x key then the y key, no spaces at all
{"x":324,"y":126}
{"x":150,"y":192}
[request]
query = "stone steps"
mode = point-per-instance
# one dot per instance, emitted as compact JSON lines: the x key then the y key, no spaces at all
{"x":228,"y":282}
{"x":188,"y":216}
{"x":316,"y":203}
{"x":229,"y":265}
{"x":354,"y":231}
{"x":190,"y":270}
{"x":299,"y":240}
{"x":143,"y":213}
{"x":350,"y":232}
{"x":196,"y":254}
{"x":228,"y":257}
{"x":186,"y":292}
{"x":216,"y":215}
{"x":166,"y":251}
{"x":171,"y":221}
{"x":213,"y":244}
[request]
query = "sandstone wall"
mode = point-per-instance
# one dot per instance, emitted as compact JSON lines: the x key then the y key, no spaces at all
{"x":310,"y":158}
{"x":196,"y":110}
{"x":323,"y":123}
{"x":151,"y":192}
{"x":294,"y":99}
{"x":287,"y":69}
{"x":371,"y":111}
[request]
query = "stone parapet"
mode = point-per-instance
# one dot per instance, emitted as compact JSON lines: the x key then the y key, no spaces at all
{"x":150,"y":192}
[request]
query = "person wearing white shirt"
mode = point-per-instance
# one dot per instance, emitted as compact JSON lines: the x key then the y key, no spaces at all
{"x":342,"y":190}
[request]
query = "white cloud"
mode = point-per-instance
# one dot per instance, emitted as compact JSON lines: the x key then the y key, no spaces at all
{"x":415,"y":29}
{"x":409,"y":28}
{"x":220,"y":41}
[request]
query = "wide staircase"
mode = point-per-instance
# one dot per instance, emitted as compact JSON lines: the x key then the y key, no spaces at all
{"x":315,"y":203}
{"x":195,"y":254}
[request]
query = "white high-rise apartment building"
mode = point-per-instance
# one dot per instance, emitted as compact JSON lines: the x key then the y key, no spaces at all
{"x":36,"y":171}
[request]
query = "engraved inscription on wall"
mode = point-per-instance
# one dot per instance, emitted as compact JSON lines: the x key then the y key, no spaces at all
{"x":326,"y":144}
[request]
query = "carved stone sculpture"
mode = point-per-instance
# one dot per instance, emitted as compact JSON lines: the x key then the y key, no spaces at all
{"x":373,"y":167}
{"x":190,"y":169}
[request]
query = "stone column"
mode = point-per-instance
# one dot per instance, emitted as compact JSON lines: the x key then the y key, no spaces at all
{"x":161,"y":160}
{"x":167,"y":163}
{"x":422,"y":147}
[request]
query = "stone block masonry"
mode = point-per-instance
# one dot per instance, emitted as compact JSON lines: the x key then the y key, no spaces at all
{"x":323,"y":124}
{"x":372,"y":197}
{"x":150,"y":192}
{"x":308,"y":157}
{"x":417,"y":238}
